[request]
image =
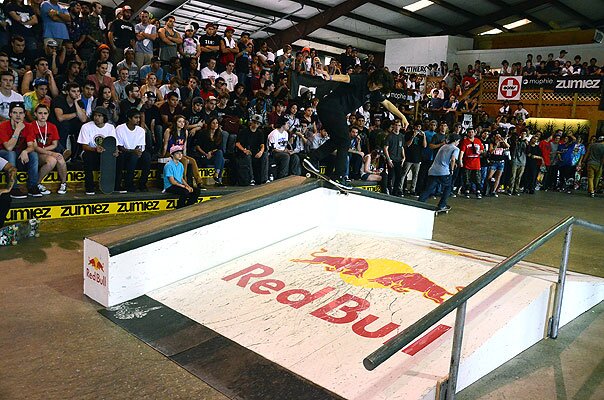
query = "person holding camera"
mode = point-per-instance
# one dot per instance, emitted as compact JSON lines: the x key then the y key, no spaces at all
{"x":415,"y":143}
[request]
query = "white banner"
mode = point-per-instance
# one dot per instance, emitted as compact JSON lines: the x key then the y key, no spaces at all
{"x":509,"y":88}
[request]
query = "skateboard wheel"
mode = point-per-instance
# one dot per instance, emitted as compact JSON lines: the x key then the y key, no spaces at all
{"x":308,"y":175}
{"x":37,"y":235}
{"x":14,"y":242}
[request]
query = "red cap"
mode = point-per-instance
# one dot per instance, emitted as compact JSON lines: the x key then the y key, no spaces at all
{"x":229,"y":28}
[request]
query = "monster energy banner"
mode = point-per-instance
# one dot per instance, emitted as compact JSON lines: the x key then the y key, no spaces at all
{"x":319,"y":87}
{"x":566,"y":84}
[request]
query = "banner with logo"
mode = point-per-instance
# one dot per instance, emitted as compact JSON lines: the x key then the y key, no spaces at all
{"x":545,"y":82}
{"x":509,"y":88}
{"x":578,"y":84}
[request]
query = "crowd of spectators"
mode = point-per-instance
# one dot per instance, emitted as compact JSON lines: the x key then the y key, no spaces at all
{"x":69,"y":77}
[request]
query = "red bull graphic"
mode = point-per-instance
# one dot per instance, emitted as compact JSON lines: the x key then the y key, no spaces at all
{"x":96,"y":264}
{"x":379,"y":273}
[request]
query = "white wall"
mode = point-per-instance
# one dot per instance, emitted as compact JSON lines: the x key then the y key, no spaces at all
{"x":423,"y":50}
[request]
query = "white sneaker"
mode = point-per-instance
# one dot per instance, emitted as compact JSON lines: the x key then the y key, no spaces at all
{"x":90,"y":193}
{"x":62,"y":188}
{"x":43,"y":189}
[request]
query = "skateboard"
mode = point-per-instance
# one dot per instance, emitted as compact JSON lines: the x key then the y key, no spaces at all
{"x":107,"y":181}
{"x":13,"y":234}
{"x":442,"y":211}
{"x":312,"y":171}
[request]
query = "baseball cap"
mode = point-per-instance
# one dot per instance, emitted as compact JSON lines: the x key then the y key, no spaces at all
{"x":306,"y":49}
{"x":155,"y":59}
{"x":189,"y":28}
{"x":564,"y":51}
{"x":101,"y":110}
{"x":229,"y":28}
{"x":128,"y":49}
{"x":175,"y":149}
{"x":118,"y":11}
{"x":150,"y":94}
{"x":256,"y":118}
{"x":15,"y":104}
{"x":52,"y":43}
{"x":103,"y":47}
{"x":210,"y":98}
{"x":198,"y":100}
{"x":40,"y":81}
{"x":600,"y":139}
{"x":127,"y":7}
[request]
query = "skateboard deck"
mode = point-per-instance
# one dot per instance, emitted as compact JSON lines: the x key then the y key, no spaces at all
{"x":14,"y":233}
{"x":311,"y":171}
{"x":443,"y":211}
{"x":107,"y":181}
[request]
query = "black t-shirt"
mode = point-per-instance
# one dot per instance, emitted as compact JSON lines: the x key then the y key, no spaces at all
{"x":205,"y":40}
{"x":195,"y":118}
{"x":125,"y":106}
{"x":61,"y":103}
{"x":203,"y":140}
{"x":250,"y":140}
{"x":438,"y":138}
{"x":16,"y":61}
{"x":123,"y":33}
{"x":165,"y":110}
{"x":26,"y":13}
{"x":397,"y":96}
{"x":395,"y":146}
{"x":152,"y":113}
{"x":209,"y":116}
{"x":62,"y":81}
{"x":242,"y":63}
{"x":413,"y":153}
{"x":349,"y":97}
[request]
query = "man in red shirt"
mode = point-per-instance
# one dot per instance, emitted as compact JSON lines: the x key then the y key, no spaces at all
{"x":45,"y":137}
{"x":469,"y":159}
{"x":18,"y":149}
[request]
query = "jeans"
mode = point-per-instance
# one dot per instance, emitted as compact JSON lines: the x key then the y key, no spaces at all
{"x":433,"y":181}
{"x":517,"y":171}
{"x":31,"y":166}
{"x":414,"y":168}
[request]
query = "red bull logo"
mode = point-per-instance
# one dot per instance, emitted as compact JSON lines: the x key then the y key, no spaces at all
{"x":379,"y":273}
{"x":96,"y":264}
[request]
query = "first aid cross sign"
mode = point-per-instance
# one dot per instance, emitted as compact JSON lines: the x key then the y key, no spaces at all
{"x":509,"y":88}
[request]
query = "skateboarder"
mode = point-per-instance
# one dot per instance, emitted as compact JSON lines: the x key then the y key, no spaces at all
{"x":441,"y":171}
{"x":343,"y":100}
{"x":90,"y":135}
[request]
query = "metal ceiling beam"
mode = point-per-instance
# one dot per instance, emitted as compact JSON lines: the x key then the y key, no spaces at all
{"x":320,"y":6}
{"x":410,"y":14}
{"x":466,"y":13}
{"x":496,"y":16}
{"x":313,"y":23}
{"x":570,"y":10}
{"x":137,"y":5}
{"x":535,"y":20}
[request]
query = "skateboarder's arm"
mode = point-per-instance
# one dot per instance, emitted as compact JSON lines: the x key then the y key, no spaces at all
{"x":392,"y":108}
{"x":336,"y":77}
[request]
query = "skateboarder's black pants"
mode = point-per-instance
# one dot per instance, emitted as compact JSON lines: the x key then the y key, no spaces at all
{"x":184,"y":197}
{"x":92,"y":162}
{"x":5,"y":201}
{"x":334,"y":121}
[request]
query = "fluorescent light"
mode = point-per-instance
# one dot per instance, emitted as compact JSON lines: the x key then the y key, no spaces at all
{"x":517,"y":23}
{"x":418,"y":5}
{"x":511,"y":25}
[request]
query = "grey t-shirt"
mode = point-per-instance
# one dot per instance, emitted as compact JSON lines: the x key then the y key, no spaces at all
{"x":146,"y":45}
{"x":442,"y":162}
{"x":596,"y":154}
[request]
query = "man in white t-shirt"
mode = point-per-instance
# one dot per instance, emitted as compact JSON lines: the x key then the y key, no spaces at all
{"x":281,"y":150}
{"x":131,"y":145}
{"x":229,"y":77}
{"x":91,"y":134}
{"x":7,"y":94}
{"x":209,"y":71}
{"x":521,"y":113}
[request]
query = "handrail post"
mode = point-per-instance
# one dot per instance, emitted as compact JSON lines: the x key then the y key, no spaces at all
{"x":460,"y":320}
{"x":555,"y":319}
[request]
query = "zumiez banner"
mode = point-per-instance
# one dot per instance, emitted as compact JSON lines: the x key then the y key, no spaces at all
{"x":567,"y":84}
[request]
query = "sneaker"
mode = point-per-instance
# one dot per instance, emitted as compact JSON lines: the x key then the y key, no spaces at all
{"x":592,"y":194}
{"x":494,"y":194}
{"x":467,"y":195}
{"x":201,"y":187}
{"x":310,"y":166}
{"x":478,"y":196}
{"x":452,"y":194}
{"x":67,"y":155}
{"x":43,"y":189}
{"x":252,"y":183}
{"x":62,"y":188}
{"x":34,"y":192}
{"x":17,"y":193}
{"x":90,"y":193}
{"x":509,"y":193}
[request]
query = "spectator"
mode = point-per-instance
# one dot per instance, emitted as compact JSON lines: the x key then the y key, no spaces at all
{"x":132,"y":101}
{"x":54,"y":20}
{"x":97,"y":31}
{"x":533,"y":160}
{"x":51,"y":54}
{"x":77,"y":27}
{"x":5,"y":194}
{"x":18,"y":149}
{"x":153,"y":122}
{"x":189,"y":92}
{"x":121,"y":34}
{"x":175,"y":181}
{"x":89,"y":137}
{"x":169,"y":110}
{"x":287,"y":162}
{"x":169,"y":40}
{"x":571,"y":160}
{"x":72,"y":75}
{"x":131,"y":146}
{"x":17,"y":57}
{"x":415,"y":143}
{"x":252,"y":159}
{"x":471,"y":149}
{"x":562,"y":58}
{"x":155,"y":68}
{"x":177,"y":134}
{"x":4,"y":68}
{"x":106,"y":101}
{"x":228,"y":48}
{"x":151,"y":86}
{"x":173,"y":86}
{"x":22,"y":19}
{"x":195,"y":120}
{"x":120,"y":84}
{"x":594,"y":160}
{"x":209,"y":71}
{"x":40,"y":71}
{"x":45,"y":138}
{"x":7,"y":95}
{"x":496,"y":157}
{"x":102,"y":54}
{"x":146,"y":34}
{"x":229,"y":76}
{"x":189,"y":49}
{"x":100,"y":78}
{"x":210,"y":45}
{"x":521,"y":113}
{"x":518,"y":147}
{"x":68,"y":114}
{"x":209,"y":146}
{"x":192,"y":69}
{"x":243,"y":59}
{"x":128,"y":62}
{"x":394,"y":152}
{"x":36,"y":97}
{"x":87,"y":98}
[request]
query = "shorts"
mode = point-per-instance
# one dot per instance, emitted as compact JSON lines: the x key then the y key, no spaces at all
{"x":497,"y":166}
{"x":364,"y":177}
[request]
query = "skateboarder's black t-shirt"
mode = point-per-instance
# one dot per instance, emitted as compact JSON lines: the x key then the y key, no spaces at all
{"x":350,"y":96}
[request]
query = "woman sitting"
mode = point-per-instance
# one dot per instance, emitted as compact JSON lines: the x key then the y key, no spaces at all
{"x":373,"y":170}
{"x":177,"y":135}
{"x":208,"y":148}
{"x":106,"y":101}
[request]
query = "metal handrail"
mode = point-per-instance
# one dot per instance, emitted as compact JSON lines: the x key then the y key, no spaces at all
{"x":458,"y":301}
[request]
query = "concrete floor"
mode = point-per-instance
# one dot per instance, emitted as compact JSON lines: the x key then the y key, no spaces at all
{"x":56,"y":346}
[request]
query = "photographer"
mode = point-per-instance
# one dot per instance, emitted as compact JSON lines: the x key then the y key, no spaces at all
{"x":40,"y":71}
